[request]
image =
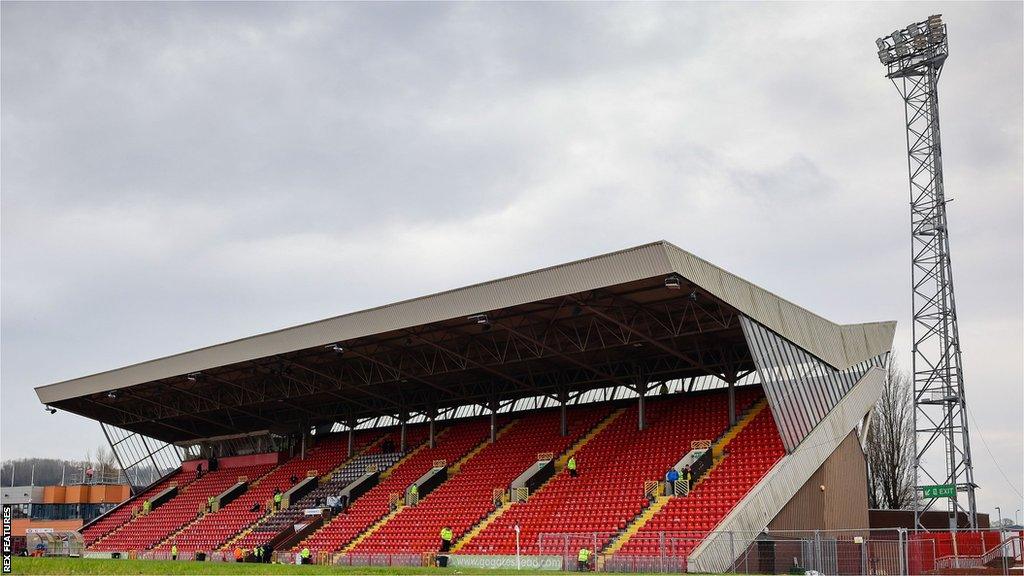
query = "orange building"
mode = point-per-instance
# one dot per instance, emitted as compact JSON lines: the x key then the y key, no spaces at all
{"x":41,"y":506}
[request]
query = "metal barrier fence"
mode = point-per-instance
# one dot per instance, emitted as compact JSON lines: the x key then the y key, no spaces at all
{"x":886,"y":552}
{"x":896,"y":552}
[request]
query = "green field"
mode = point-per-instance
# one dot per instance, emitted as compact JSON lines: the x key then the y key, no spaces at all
{"x":97,"y":566}
{"x":94,"y":566}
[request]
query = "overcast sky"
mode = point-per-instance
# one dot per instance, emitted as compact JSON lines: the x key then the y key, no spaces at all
{"x":176,"y":175}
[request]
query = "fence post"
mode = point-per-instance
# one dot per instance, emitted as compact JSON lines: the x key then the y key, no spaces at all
{"x":816,"y":552}
{"x":661,"y":551}
{"x":904,"y":552}
{"x":732,"y":550}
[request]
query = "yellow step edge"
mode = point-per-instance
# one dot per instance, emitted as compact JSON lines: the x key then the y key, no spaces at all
{"x":425,"y":445}
{"x":369,"y":531}
{"x":714,"y":464}
{"x":466,"y":538}
{"x":560,"y":462}
{"x":719,"y":447}
{"x":325,"y":478}
{"x":175,"y":534}
{"x":660,"y":502}
{"x":494,"y":515}
{"x":181,"y":490}
{"x":383,"y":475}
{"x":457,"y":467}
{"x":637,"y":523}
{"x":454,"y":469}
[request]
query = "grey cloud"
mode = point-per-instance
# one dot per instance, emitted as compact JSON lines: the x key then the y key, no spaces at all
{"x":179,"y":174}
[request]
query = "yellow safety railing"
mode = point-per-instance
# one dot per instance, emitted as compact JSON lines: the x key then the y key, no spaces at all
{"x":651,"y":487}
{"x":498,"y":496}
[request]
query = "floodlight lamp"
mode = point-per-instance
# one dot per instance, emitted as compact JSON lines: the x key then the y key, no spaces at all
{"x":880,"y":43}
{"x":902,"y":49}
{"x":479,"y":318}
{"x":673,"y":282}
{"x":884,"y":56}
{"x":336,"y":348}
{"x":50,"y":409}
{"x":193,"y":376}
{"x":897,"y":36}
{"x":112,"y":395}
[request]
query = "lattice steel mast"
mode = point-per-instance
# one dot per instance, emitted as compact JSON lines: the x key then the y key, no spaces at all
{"x":914,"y":57}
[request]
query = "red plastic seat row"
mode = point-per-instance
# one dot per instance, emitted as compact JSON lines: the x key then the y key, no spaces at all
{"x":452,"y":443}
{"x":467,"y":497}
{"x":686,"y":520}
{"x":613,"y":468}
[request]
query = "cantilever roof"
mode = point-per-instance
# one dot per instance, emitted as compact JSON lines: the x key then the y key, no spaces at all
{"x":838,"y":345}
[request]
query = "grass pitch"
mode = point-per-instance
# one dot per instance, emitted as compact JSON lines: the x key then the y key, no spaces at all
{"x":154,"y":567}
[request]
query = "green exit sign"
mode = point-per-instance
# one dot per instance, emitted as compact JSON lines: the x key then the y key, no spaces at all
{"x":940,"y":491}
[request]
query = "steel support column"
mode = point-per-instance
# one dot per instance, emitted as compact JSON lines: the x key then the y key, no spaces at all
{"x":641,"y":417}
{"x":732,"y":403}
{"x":405,"y":420}
{"x":494,"y":421}
{"x":564,"y":427}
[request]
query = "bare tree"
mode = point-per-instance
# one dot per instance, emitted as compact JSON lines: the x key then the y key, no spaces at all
{"x":890,"y":446}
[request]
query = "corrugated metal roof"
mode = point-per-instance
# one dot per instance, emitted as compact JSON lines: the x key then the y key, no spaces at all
{"x":840,"y":346}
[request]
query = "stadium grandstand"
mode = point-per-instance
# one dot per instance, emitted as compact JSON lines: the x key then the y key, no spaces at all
{"x":688,"y":402}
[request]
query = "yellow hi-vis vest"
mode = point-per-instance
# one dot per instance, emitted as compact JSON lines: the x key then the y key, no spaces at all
{"x":277,"y":497}
{"x":446,"y":534}
{"x":305,"y":552}
{"x":584,"y":555}
{"x":174,"y":550}
{"x":572,"y":463}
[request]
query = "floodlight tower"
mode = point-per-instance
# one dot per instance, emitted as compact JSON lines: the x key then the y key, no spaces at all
{"x":913,"y":58}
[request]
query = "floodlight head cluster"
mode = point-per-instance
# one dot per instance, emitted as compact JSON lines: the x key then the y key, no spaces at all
{"x":909,"y":50}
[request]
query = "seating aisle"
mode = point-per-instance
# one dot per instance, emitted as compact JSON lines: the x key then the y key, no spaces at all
{"x":213,"y":529}
{"x":122,"y":515}
{"x":453,"y":443}
{"x":151,"y":529}
{"x":613,"y":467}
{"x":687,"y":520}
{"x":467,"y":497}
{"x":273,"y":524}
